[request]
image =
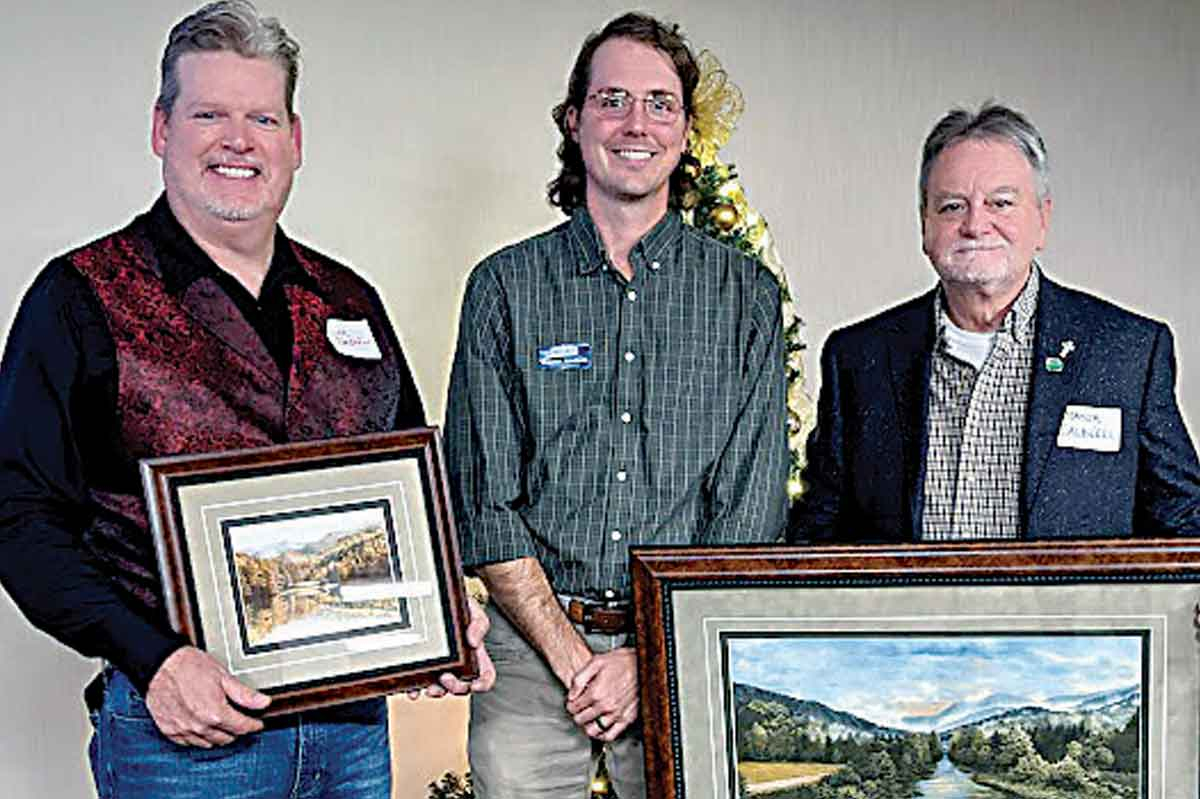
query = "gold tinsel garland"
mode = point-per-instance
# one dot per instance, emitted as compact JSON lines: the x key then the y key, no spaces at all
{"x":717,"y":205}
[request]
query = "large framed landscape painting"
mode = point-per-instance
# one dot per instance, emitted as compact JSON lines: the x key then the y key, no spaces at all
{"x":979,"y":671}
{"x":317,"y":572}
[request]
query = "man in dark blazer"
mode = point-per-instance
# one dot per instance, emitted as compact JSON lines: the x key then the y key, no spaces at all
{"x":1000,"y":404}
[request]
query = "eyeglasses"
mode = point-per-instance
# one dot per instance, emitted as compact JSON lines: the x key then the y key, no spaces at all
{"x":614,"y":103}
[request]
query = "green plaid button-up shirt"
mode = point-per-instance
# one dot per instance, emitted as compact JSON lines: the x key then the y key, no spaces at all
{"x":588,"y":413}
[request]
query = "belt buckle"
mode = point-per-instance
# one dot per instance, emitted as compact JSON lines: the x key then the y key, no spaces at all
{"x":590,"y":609}
{"x":587,"y":610}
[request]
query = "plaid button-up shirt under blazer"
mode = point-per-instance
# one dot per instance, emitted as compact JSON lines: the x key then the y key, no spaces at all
{"x":588,"y":413}
{"x":977,"y":431}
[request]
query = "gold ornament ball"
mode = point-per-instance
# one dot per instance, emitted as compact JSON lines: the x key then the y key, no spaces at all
{"x":724,"y":216}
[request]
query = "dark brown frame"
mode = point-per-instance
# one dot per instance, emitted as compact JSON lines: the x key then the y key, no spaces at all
{"x":162,"y":478}
{"x":659,"y":572}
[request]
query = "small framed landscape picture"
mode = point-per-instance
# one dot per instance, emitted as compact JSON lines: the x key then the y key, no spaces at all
{"x":317,"y":572}
{"x":978,"y":671}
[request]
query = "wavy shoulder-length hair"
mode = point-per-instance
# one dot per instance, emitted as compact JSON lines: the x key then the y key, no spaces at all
{"x":568,"y":189}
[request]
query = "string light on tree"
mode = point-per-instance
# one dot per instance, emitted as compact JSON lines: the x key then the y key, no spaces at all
{"x":724,"y":216}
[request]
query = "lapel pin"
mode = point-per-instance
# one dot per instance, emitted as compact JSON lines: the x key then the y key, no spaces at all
{"x":1055,"y":363}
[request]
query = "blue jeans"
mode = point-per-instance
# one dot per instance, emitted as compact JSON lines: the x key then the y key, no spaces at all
{"x":333,"y":753}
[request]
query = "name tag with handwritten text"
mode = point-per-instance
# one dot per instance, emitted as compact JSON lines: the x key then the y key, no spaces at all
{"x":353,"y":338}
{"x":1096,"y":429}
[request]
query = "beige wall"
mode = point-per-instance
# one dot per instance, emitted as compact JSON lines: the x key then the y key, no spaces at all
{"x":428,"y":143}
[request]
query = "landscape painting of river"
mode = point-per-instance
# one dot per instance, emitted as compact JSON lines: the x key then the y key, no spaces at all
{"x":947,"y":716}
{"x":317,"y":575}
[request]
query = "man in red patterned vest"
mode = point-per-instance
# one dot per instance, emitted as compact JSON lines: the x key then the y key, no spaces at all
{"x":199,"y":327}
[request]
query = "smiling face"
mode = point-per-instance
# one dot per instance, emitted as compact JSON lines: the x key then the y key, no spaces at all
{"x":629,"y":160}
{"x":983,"y":222}
{"x":229,"y":149}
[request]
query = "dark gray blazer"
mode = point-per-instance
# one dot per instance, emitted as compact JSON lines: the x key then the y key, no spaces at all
{"x":866,"y":459}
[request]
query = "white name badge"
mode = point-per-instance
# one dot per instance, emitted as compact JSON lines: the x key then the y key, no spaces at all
{"x":353,"y":338}
{"x":1096,"y":429}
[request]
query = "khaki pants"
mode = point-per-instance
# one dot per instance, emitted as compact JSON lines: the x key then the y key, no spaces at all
{"x":522,"y":742}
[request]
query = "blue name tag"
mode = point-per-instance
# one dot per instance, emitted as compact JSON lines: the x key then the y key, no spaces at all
{"x":565,"y":356}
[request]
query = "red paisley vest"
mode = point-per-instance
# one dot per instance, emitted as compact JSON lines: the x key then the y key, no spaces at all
{"x":193,"y":376}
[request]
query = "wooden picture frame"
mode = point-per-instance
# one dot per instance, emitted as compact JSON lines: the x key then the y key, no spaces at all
{"x":812,"y":623}
{"x":317,"y":572}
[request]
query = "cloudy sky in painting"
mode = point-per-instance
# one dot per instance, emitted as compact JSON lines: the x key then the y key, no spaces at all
{"x":293,"y":532}
{"x":888,"y":678}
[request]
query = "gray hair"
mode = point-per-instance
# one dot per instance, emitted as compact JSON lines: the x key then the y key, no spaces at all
{"x":234,"y":26}
{"x":992,"y":121}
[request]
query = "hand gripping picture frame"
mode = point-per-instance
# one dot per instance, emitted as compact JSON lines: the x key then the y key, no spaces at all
{"x":1046,"y":670}
{"x":317,"y":572}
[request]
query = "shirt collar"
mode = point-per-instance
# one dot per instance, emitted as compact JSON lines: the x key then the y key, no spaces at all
{"x":1017,"y":322}
{"x":183,"y":261}
{"x":654,"y":250}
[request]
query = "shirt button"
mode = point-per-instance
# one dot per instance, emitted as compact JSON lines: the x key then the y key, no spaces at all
{"x":629,"y":356}
{"x":655,"y":266}
{"x":622,"y":476}
{"x":609,"y":593}
{"x":632,"y":295}
{"x":616,"y":535}
{"x":627,"y":417}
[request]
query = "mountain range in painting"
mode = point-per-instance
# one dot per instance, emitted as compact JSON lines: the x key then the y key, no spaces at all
{"x":1101,"y":710}
{"x":332,"y":540}
{"x":833,"y":723}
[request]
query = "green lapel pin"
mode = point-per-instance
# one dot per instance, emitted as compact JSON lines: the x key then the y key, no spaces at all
{"x":1054,"y":364}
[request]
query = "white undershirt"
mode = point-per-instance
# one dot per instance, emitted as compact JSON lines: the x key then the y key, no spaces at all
{"x":967,"y":345}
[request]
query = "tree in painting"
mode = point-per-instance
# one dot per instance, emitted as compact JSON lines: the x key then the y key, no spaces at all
{"x":1074,"y":760}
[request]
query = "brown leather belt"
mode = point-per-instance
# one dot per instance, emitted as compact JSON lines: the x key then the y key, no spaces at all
{"x":601,"y":617}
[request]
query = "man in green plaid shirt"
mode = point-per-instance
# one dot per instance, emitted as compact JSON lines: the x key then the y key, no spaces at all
{"x":619,"y":380}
